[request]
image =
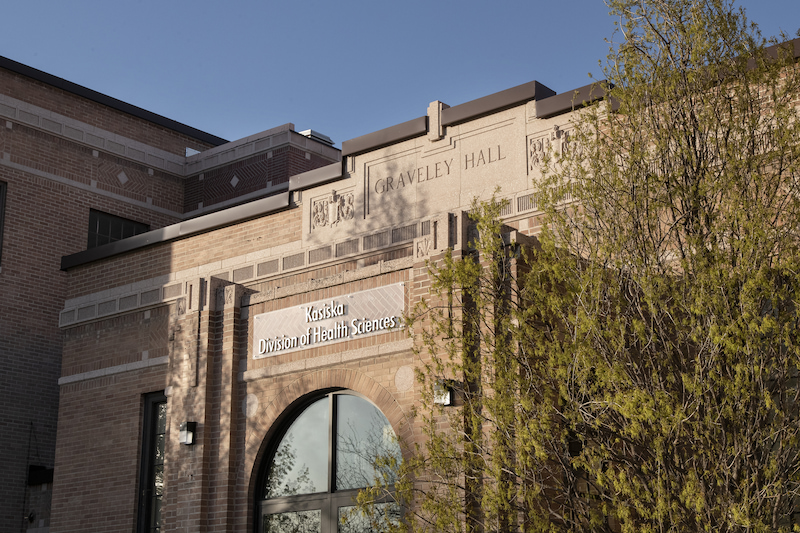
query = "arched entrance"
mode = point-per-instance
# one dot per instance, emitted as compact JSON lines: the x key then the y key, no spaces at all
{"x":317,"y":462}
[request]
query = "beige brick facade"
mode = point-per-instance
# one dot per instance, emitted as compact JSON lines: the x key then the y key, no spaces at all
{"x":278,"y":225}
{"x":178,"y":315}
{"x":273,"y":224}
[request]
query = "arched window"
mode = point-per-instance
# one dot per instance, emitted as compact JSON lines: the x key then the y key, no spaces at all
{"x":320,"y":461}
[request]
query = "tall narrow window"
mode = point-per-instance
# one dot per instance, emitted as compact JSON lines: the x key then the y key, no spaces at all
{"x":105,"y":228}
{"x":3,"y":187}
{"x":151,"y":479}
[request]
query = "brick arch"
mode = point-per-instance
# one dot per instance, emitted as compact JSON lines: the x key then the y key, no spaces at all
{"x":264,"y":426}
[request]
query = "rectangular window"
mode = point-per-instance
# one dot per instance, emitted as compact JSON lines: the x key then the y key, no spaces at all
{"x":105,"y":228}
{"x":151,"y":476}
{"x":3,"y":187}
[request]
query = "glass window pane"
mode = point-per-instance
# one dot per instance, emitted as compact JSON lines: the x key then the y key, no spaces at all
{"x":353,"y":520}
{"x":300,"y":465}
{"x":161,"y":424}
{"x":155,"y":519}
{"x":158,"y":481}
{"x":105,"y":228}
{"x":152,"y":466}
{"x":363,"y":437}
{"x":296,"y":522}
{"x":159,"y":455}
{"x":116,"y":229}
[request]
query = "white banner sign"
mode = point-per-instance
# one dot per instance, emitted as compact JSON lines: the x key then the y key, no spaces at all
{"x":325,"y":322}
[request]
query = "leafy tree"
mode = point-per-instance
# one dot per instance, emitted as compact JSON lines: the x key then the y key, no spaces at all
{"x":637,"y":367}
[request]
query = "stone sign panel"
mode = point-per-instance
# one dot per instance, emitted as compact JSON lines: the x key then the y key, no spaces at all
{"x":420,"y":177}
{"x":356,"y":315}
{"x":427,"y":178}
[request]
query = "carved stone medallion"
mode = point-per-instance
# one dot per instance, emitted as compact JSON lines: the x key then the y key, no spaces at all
{"x":332,"y":210}
{"x":557,"y":142}
{"x":424,"y":247}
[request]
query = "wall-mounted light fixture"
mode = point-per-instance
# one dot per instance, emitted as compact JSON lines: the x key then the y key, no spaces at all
{"x":186,"y":435}
{"x":443,"y":392}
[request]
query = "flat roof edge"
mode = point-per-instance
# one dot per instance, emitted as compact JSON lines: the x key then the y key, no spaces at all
{"x":772,"y":52}
{"x":793,"y":45}
{"x":498,"y":101}
{"x":318,"y":176}
{"x":386,"y":136}
{"x":569,"y":100}
{"x":479,"y":107}
{"x":100,"y":98}
{"x":186,"y":228}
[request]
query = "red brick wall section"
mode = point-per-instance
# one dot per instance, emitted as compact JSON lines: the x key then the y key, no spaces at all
{"x":75,"y":107}
{"x":44,"y":220}
{"x":55,"y":155}
{"x":116,"y":341}
{"x":252,"y":174}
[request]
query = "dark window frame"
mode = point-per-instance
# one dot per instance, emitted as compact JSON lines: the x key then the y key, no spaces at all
{"x":114,"y":228}
{"x":152,"y":403}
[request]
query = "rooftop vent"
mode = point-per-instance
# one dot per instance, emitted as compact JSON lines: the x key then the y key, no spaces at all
{"x":317,"y":136}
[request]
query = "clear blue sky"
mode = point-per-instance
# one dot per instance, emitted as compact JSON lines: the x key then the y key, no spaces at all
{"x":343,"y":68}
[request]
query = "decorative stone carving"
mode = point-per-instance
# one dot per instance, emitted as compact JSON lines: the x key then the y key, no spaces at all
{"x":424,"y":246}
{"x":332,"y":210}
{"x":563,"y":140}
{"x":404,"y":378}
{"x":559,"y":140}
{"x":443,"y":235}
{"x":319,"y":216}
{"x":536,"y":150}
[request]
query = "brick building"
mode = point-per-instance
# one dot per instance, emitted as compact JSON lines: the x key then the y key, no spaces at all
{"x":203,"y":335}
{"x":204,"y":360}
{"x":80,"y":170}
